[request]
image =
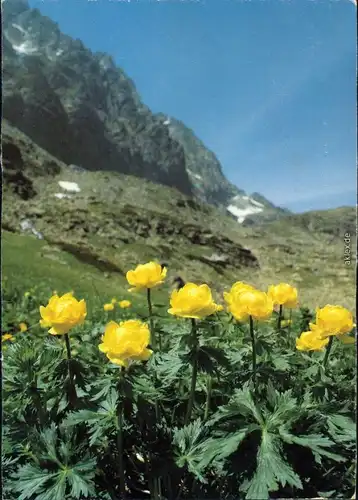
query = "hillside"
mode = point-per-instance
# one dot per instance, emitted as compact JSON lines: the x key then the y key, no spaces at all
{"x":111,"y":222}
{"x":83,"y":109}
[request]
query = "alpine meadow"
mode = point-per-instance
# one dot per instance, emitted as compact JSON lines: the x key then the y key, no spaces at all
{"x":165,"y":334}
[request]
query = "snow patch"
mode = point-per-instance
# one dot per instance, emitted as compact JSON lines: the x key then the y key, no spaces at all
{"x":195,"y":175}
{"x":61,"y":196}
{"x":257,"y":203}
{"x":59,"y":52}
{"x":20,"y":28}
{"x":241,"y":213}
{"x":72,"y":187}
{"x":166,"y":122}
{"x":25,"y":48}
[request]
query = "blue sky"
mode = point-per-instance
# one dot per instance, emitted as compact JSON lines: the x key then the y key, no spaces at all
{"x":268,"y":85}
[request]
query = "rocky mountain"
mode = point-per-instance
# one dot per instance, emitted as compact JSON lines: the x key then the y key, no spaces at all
{"x":109,"y":221}
{"x":84,"y":110}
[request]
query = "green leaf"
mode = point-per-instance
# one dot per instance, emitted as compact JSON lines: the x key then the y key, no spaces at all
{"x":30,"y":480}
{"x":55,"y":492}
{"x":240,"y":405}
{"x":271,"y":470}
{"x":315,"y":442}
{"x":80,"y":479}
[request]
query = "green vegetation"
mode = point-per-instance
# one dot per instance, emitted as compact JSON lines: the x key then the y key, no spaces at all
{"x":293,"y":436}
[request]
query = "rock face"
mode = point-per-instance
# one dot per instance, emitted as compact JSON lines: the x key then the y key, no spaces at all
{"x":85,"y":111}
{"x":78,"y":106}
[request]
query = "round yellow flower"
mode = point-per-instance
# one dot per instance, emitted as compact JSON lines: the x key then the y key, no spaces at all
{"x":334,"y":320}
{"x":192,"y":301}
{"x":236,"y":288}
{"x":146,"y":276}
{"x":311,"y":341}
{"x":63,"y":313}
{"x":283,"y":294}
{"x":23,"y":327}
{"x":7,"y":336}
{"x":113,"y":301}
{"x":124,"y":304}
{"x":251,"y":303}
{"x":126,"y":342}
{"x":108,"y":307}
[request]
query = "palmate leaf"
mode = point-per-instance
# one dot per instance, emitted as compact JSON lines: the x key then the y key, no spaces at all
{"x":57,"y":491}
{"x":271,"y":470}
{"x":342,"y":428}
{"x":240,"y":405}
{"x":100,"y":421}
{"x":315,"y":442}
{"x":30,"y":480}
{"x":80,"y":478}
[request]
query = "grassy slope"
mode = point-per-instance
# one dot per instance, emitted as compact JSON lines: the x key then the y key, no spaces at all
{"x":117,"y":221}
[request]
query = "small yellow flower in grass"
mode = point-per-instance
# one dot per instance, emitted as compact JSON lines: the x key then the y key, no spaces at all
{"x":27,"y":294}
{"x":113,"y":301}
{"x":63,"y":313}
{"x":124,"y":304}
{"x":7,"y":336}
{"x":285,"y":323}
{"x":311,"y":341}
{"x":108,"y":307}
{"x":334,"y":320}
{"x":146,"y":276}
{"x":126,"y":342}
{"x":23,"y":327}
{"x":251,"y":303}
{"x":192,"y":301}
{"x":283,"y":294}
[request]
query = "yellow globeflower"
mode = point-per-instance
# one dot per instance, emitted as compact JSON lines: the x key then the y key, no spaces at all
{"x":236,"y":288}
{"x":146,"y":276}
{"x":63,"y":313}
{"x":23,"y":327}
{"x":283,"y":294}
{"x":126,"y":342}
{"x":124,"y":304}
{"x":251,"y":303}
{"x":192,"y":301}
{"x":108,"y":307}
{"x":7,"y":336}
{"x":311,"y":341}
{"x":334,"y":320}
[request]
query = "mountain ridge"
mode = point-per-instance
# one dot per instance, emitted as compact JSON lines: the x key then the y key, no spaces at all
{"x":101,"y":122}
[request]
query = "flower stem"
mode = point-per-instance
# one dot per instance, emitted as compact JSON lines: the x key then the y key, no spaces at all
{"x":156,"y":481}
{"x":122,"y":487}
{"x":253,"y":343}
{"x":209,"y":385}
{"x":70,"y":372}
{"x":279,"y":319}
{"x":194,"y":373}
{"x":151,"y":323}
{"x":328,"y":350}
